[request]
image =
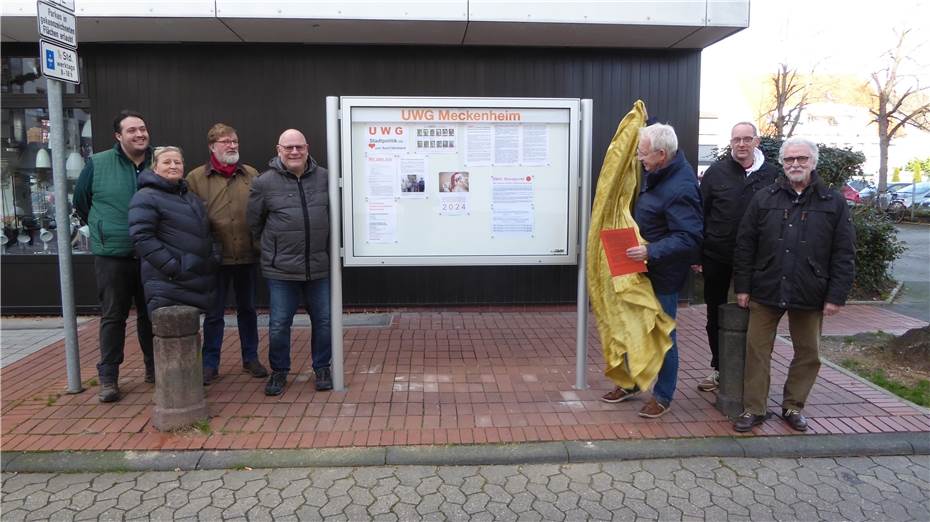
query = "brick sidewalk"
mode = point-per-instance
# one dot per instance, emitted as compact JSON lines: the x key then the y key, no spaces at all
{"x":430,"y":378}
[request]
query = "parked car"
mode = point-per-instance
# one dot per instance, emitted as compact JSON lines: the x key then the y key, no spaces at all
{"x":892,"y":187}
{"x":865,"y":189}
{"x":912,"y":193}
{"x":851,"y":195}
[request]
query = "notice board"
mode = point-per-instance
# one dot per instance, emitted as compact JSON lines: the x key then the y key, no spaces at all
{"x":459,"y":181}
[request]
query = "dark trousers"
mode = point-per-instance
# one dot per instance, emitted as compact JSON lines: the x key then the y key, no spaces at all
{"x":119,"y":286}
{"x":717,"y":277}
{"x":285,"y":297}
{"x":242,"y":278}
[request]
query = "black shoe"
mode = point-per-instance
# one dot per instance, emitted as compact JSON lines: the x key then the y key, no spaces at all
{"x":150,"y":375}
{"x":276,"y":383}
{"x":255,"y":369}
{"x":109,"y":392}
{"x":747,"y":421}
{"x":794,"y":419}
{"x":210,"y":375}
{"x":324,"y":379}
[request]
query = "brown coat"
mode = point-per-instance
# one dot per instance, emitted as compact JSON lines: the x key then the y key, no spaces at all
{"x":226,"y":201}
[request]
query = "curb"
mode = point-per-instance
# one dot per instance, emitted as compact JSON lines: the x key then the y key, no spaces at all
{"x":570,"y":452}
{"x":890,"y":300}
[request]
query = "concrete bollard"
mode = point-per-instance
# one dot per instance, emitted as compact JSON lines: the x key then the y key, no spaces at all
{"x":731,"y":358}
{"x":179,"y":395}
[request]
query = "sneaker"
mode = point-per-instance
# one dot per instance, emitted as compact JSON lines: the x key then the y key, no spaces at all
{"x":324,"y":379}
{"x":109,"y":392}
{"x":747,"y":421}
{"x":276,"y":383}
{"x":653,"y":409}
{"x":619,"y":394}
{"x":210,"y":375}
{"x":711,"y":383}
{"x":794,"y":419}
{"x":255,"y":369}
{"x":150,"y":375}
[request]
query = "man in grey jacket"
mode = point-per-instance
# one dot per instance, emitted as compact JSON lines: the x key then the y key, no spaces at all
{"x":288,"y":213}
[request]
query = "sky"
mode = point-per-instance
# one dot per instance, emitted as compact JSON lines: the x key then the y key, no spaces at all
{"x":828,"y":36}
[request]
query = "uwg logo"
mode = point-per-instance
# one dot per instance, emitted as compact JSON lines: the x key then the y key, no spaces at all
{"x":385,"y":131}
{"x":417,"y":114}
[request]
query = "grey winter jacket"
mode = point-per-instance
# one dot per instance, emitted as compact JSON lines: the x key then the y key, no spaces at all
{"x":289,"y":220}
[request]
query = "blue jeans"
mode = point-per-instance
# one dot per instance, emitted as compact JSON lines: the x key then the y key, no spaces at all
{"x":664,"y":389}
{"x":285,"y":297}
{"x":242,"y":278}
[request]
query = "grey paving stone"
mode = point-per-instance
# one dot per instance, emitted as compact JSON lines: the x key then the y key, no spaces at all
{"x":452,"y":494}
{"x":522,"y":502}
{"x":335,"y":505}
{"x":287,"y":507}
{"x":428,"y":485}
{"x":476,"y":503}
{"x":371,"y":476}
{"x":407,"y":495}
{"x":473,"y":484}
{"x":547,"y":510}
{"x":315,"y":496}
{"x":456,"y":475}
{"x":412,"y":475}
{"x":192,"y":508}
{"x":383,"y":504}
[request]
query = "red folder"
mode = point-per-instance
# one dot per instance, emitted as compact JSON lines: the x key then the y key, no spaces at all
{"x":616,"y":241}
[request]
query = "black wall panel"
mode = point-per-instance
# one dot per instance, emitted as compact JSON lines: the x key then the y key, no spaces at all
{"x":263,"y":89}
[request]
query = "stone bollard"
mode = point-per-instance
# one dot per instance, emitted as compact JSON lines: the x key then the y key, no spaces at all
{"x":179,"y":396}
{"x":731,"y":358}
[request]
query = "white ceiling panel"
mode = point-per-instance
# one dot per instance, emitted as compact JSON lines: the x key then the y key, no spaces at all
{"x":624,"y":12}
{"x":574,"y":35}
{"x":437,"y":10}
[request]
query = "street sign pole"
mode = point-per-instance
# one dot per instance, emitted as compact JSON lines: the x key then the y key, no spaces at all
{"x":56,"y":25}
{"x":63,"y":222}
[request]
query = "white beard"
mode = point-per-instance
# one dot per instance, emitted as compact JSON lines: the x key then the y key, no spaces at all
{"x":230,"y":158}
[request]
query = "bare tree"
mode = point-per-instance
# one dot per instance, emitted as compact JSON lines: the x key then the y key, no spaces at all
{"x":898,"y":100}
{"x":789,"y":99}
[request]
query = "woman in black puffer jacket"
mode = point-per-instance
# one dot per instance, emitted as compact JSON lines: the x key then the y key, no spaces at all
{"x":171,"y":234}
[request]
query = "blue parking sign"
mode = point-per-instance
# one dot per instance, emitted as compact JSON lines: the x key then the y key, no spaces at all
{"x":50,"y":59}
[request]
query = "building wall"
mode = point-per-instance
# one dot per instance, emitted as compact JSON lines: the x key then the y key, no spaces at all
{"x":262,"y":89}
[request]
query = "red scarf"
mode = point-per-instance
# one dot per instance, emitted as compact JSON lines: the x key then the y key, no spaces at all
{"x":223,"y":168}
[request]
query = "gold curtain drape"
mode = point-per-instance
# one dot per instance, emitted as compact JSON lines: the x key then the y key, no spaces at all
{"x":634,"y":331}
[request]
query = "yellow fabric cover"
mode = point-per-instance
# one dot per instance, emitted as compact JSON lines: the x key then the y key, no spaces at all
{"x":635,"y":332}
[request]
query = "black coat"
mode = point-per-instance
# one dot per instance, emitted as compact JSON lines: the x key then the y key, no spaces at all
{"x":668,"y":213}
{"x":289,"y":219}
{"x":726,"y":191}
{"x":796,"y":251}
{"x":171,"y":234}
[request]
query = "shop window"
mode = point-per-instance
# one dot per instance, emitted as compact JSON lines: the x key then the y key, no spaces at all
{"x":27,"y":188}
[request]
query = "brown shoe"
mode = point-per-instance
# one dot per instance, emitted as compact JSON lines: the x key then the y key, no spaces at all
{"x":255,"y":369}
{"x":653,"y":410}
{"x":619,"y":394}
{"x":794,"y":419}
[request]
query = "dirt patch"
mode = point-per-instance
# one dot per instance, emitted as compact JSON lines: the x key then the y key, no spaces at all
{"x":904,"y":358}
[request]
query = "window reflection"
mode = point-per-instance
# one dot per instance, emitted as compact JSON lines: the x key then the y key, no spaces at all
{"x":27,"y":186}
{"x":23,"y":75}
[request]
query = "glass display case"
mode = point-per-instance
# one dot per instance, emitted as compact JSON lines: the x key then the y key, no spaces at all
{"x":26,"y":184}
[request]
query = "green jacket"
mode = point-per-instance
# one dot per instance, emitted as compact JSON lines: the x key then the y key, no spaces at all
{"x":102,"y":196}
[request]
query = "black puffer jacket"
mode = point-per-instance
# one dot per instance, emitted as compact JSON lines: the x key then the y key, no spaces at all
{"x":726,"y":191}
{"x":289,"y":218}
{"x":795,"y":251}
{"x":171,"y":234}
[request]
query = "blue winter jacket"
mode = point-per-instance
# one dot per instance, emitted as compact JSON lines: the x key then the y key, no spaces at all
{"x":670,"y":217}
{"x":171,"y":234}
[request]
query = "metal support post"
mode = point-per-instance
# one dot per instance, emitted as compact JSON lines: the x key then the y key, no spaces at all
{"x":335,"y":238}
{"x":581,"y":340}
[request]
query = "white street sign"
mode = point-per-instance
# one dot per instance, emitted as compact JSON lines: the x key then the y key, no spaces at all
{"x":65,"y":4}
{"x":56,"y":25}
{"x":59,"y":63}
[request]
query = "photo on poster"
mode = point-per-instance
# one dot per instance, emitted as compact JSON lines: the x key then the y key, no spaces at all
{"x":411,"y":177}
{"x":453,"y":181}
{"x":436,"y":140}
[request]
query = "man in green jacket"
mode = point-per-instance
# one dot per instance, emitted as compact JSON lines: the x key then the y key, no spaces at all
{"x":101,"y":199}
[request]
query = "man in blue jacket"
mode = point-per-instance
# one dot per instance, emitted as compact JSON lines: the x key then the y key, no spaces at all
{"x":670,"y":218}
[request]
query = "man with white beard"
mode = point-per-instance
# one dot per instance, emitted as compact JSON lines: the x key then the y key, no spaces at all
{"x":223,"y":184}
{"x":795,"y":253}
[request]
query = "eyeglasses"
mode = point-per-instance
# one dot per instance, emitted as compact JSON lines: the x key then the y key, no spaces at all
{"x":293,"y":148}
{"x":800,"y":160}
{"x":227,"y":142}
{"x":745,"y":140}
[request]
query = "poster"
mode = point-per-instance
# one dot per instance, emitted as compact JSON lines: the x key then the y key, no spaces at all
{"x":454,"y":188}
{"x":534,"y":151}
{"x":506,"y":145}
{"x":382,"y":220}
{"x":436,"y":140}
{"x":411,"y":177}
{"x":512,"y":207}
{"x":387,"y":138}
{"x":477,"y":146}
{"x":381,"y":172}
